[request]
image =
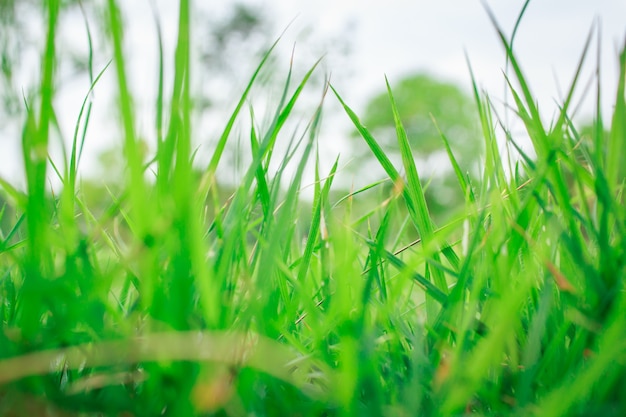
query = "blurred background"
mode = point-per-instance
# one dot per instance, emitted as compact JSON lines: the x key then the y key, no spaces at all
{"x":423,"y":47}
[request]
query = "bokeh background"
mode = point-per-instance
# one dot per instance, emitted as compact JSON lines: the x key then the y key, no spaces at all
{"x":423,"y":47}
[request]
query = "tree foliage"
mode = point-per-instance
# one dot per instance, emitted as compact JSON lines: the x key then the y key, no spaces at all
{"x":428,"y":109}
{"x":420,"y":99}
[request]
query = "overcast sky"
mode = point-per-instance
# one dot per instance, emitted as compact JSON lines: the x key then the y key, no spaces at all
{"x":398,"y":37}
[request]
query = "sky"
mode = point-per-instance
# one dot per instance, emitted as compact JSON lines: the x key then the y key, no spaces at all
{"x":393,"y":38}
{"x":396,"y":37}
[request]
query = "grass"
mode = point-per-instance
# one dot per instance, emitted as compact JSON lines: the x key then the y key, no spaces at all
{"x":174,"y":300}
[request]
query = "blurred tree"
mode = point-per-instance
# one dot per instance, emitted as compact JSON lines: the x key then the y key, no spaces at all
{"x":227,"y":42}
{"x":245,"y":29}
{"x":13,"y":40}
{"x":20,"y":40}
{"x":420,"y":98}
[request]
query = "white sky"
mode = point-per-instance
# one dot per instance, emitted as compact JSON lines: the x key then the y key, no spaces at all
{"x":396,"y":37}
{"x":392,"y":37}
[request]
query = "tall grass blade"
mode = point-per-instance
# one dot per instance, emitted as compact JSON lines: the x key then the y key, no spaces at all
{"x":615,"y":171}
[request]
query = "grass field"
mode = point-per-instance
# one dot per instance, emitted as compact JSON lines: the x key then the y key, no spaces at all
{"x":175,"y":300}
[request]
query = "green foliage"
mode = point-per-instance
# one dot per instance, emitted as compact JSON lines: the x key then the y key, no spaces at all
{"x":429,"y":110}
{"x":420,"y":98}
{"x":170,"y":298}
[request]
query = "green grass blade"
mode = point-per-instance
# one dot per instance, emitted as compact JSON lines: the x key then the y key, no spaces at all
{"x":414,"y":193}
{"x":321,"y":195}
{"x":429,"y":288}
{"x":221,"y":144}
{"x":376,"y":149}
{"x":467,"y":192}
{"x":131,"y":144}
{"x":615,"y":171}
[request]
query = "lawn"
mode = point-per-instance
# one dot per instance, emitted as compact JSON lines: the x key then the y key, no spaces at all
{"x":174,"y":297}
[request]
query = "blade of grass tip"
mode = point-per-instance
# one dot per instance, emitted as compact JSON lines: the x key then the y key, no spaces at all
{"x":160,"y":94}
{"x":606,"y":156}
{"x":320,"y":285}
{"x":164,"y":152}
{"x":285,"y":92}
{"x":47,"y":81}
{"x":91,"y":77}
{"x":598,"y":133}
{"x":276,"y":250}
{"x":313,"y":227}
{"x":291,"y":196}
{"x":376,"y":149}
{"x":534,"y":127}
{"x":254,"y":137}
{"x":518,"y":21}
{"x":537,"y":133}
{"x":583,"y":178}
{"x":372,"y":263}
{"x":269,"y":149}
{"x":233,"y":220}
{"x":564,"y":108}
{"x":274,"y":191}
{"x":292,"y":147}
{"x":547,"y":153}
{"x":56,"y":129}
{"x":57,"y":171}
{"x":580,"y":103}
{"x":266,"y":145}
{"x":262,"y":187}
{"x":268,"y":142}
{"x":617,"y":137}
{"x":321,"y":194}
{"x":381,"y":157}
{"x":180,"y":117}
{"x":455,"y":165}
{"x":359,"y":191}
{"x":13,"y":232}
{"x":514,"y":63}
{"x":418,"y":207}
{"x":517,"y":25}
{"x":499,"y":167}
{"x":77,"y":150}
{"x":529,"y":163}
{"x":221,"y":144}
{"x":19,"y":197}
{"x":493,"y":172}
